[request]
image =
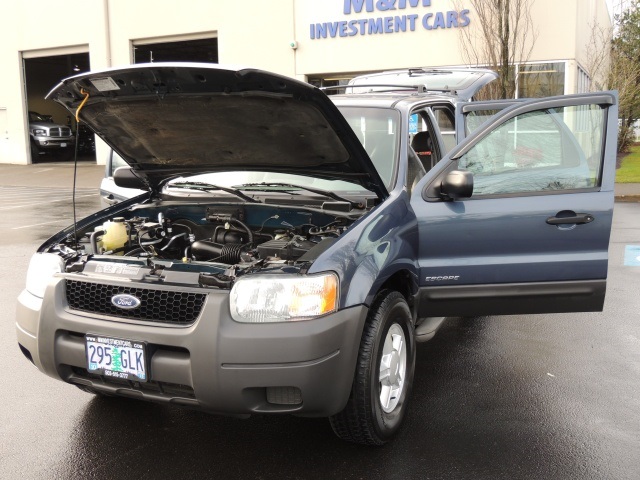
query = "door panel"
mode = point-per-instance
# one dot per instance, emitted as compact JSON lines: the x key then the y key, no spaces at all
{"x":534,"y":236}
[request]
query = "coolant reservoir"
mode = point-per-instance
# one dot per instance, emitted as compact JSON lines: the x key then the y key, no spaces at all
{"x":115,"y":235}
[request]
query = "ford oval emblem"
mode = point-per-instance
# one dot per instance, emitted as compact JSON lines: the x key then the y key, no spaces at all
{"x":125,"y":301}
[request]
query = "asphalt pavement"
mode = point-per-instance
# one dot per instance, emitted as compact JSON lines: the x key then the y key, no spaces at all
{"x":505,"y":397}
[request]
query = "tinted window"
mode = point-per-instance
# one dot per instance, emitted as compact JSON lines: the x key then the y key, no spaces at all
{"x":558,"y":149}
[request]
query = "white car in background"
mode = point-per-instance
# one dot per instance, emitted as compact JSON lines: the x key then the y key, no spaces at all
{"x":110,"y":193}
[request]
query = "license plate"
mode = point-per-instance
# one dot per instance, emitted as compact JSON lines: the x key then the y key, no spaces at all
{"x":63,"y":144}
{"x":116,"y":358}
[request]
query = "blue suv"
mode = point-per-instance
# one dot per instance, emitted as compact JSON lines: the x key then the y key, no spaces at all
{"x":291,"y":248}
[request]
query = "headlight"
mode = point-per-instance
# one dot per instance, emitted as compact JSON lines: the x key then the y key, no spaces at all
{"x":278,"y":298}
{"x":40,"y":132}
{"x":42,"y":267}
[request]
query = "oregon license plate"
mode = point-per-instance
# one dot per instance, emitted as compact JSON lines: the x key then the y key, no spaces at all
{"x":63,"y":144}
{"x":116,"y":358}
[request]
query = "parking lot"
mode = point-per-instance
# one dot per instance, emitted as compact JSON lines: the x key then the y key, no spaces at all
{"x":541,"y":396}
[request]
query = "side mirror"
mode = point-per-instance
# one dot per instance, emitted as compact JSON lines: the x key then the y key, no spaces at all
{"x":125,"y":177}
{"x":457,"y":184}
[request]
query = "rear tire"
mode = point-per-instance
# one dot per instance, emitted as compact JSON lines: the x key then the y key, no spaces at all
{"x":384,"y":374}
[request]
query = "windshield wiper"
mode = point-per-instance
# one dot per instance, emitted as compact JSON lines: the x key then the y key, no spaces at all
{"x":209,"y":187}
{"x":265,"y":186}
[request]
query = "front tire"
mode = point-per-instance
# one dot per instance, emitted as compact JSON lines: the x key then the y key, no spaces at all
{"x":66,"y":154}
{"x":384,"y":374}
{"x":35,"y":151}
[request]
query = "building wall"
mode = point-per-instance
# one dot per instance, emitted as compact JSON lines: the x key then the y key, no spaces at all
{"x":260,"y":33}
{"x":250,"y":32}
{"x":593,"y":17}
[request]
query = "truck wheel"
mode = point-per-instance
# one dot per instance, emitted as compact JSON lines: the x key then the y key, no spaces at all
{"x":383,"y":376}
{"x":35,"y":151}
{"x":66,"y":154}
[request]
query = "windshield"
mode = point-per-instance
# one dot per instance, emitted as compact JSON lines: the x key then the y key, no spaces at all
{"x":236,"y":179}
{"x":36,"y":117}
{"x":377,"y":130}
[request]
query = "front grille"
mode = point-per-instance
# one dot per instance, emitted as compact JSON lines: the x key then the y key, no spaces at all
{"x":59,"y":132}
{"x":161,"y":306}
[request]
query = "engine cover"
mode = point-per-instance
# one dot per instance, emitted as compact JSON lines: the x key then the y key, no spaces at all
{"x":285,"y":248}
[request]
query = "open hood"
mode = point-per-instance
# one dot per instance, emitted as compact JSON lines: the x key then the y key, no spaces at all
{"x":169,"y":119}
{"x":462,"y":83}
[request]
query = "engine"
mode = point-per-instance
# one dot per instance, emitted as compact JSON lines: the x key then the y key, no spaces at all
{"x":222,"y":236}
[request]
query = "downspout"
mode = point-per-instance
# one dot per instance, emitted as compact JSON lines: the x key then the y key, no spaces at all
{"x":295,"y":40}
{"x":107,"y":32}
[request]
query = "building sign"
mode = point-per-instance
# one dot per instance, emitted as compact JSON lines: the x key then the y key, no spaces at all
{"x":386,"y":17}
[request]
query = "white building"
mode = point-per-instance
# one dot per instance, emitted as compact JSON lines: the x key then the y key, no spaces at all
{"x":324,"y":42}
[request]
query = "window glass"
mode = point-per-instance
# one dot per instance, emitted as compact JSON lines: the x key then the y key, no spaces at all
{"x":235,"y":179}
{"x":541,"y":80}
{"x":415,"y":124}
{"x":377,"y":130}
{"x":476,"y":118}
{"x":116,"y":162}
{"x":418,"y":122}
{"x":325,"y":82}
{"x":556,"y":149}
{"x":423,"y":140}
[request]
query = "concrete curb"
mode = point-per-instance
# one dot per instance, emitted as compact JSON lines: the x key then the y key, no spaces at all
{"x":627,"y":198}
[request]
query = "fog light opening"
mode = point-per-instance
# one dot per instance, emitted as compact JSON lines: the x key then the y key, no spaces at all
{"x":284,"y":396}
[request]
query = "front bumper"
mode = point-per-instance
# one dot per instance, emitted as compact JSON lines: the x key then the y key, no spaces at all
{"x":216,"y":364}
{"x":54,"y":142}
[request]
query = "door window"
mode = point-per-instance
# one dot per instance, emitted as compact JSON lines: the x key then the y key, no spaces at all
{"x":446,"y":124}
{"x":476,"y":118}
{"x":424,"y":140}
{"x":556,"y":149}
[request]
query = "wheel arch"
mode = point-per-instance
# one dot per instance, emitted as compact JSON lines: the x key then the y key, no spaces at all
{"x":403,"y":281}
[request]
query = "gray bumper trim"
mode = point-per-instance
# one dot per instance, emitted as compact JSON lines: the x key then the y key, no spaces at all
{"x":216,"y":364}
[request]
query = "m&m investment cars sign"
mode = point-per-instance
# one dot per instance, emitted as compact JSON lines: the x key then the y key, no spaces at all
{"x":393,"y":19}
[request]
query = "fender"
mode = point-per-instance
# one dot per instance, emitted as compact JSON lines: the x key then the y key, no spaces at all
{"x":379,"y":245}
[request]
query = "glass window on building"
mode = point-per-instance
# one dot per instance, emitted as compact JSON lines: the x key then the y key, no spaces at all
{"x":538,"y":80}
{"x":584,"y":82}
{"x":323,"y":82}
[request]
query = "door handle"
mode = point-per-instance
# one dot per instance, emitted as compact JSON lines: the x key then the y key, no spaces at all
{"x":576,"y":218}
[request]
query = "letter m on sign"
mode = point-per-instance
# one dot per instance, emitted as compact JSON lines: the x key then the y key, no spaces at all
{"x":356,"y":6}
{"x":412,"y":3}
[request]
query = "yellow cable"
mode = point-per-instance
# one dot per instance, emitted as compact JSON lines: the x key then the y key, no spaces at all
{"x":86,"y":97}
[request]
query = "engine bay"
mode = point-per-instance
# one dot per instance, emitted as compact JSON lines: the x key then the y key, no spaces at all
{"x":218,"y":241}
